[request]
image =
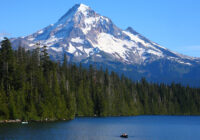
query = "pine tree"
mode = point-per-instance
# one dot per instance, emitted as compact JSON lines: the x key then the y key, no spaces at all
{"x":6,"y":64}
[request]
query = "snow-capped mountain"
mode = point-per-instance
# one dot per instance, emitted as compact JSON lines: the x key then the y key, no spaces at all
{"x":87,"y":37}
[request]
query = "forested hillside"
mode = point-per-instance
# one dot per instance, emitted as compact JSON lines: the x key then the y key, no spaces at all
{"x":32,"y":87}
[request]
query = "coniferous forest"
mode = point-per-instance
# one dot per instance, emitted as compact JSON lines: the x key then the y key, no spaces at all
{"x":33,"y":87}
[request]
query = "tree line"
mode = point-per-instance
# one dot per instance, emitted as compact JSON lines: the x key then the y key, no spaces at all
{"x":33,"y":87}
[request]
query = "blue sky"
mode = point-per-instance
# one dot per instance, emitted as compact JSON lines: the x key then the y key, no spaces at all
{"x":174,"y":24}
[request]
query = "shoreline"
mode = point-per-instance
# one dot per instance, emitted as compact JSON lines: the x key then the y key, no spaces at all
{"x":20,"y":121}
{"x":11,"y":121}
{"x":54,"y":120}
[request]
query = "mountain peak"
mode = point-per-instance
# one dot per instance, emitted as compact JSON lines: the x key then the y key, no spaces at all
{"x":77,"y":8}
{"x":82,"y":8}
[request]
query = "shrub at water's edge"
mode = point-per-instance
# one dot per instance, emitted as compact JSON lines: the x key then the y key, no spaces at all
{"x":32,"y":87}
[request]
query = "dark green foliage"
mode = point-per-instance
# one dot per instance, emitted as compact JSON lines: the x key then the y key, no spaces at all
{"x":32,"y":87}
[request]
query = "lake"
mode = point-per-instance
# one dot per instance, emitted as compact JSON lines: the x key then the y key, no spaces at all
{"x":108,"y":128}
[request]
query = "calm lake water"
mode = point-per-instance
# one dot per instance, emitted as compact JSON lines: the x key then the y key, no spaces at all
{"x":109,"y":128}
